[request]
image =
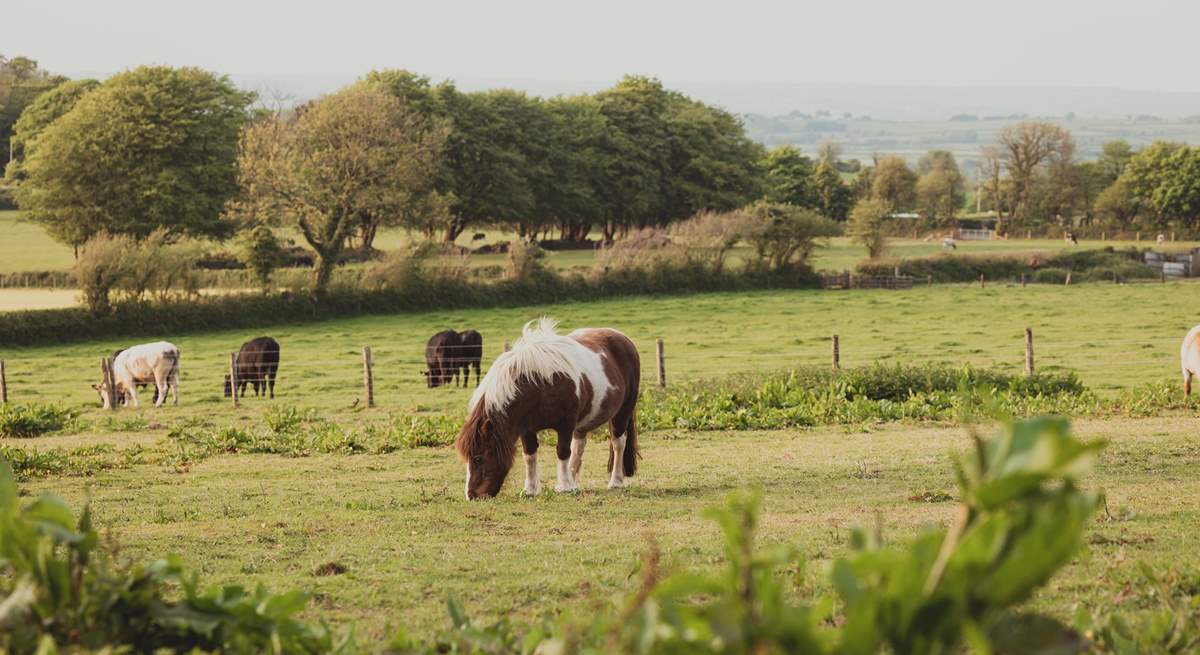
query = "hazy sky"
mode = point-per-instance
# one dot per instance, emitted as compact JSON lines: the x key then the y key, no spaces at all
{"x":1149,"y":44}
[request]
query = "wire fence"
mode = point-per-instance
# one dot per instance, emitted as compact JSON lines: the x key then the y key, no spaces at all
{"x":371,"y":374}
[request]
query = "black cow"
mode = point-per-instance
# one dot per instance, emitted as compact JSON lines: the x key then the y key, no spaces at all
{"x":449,"y":352}
{"x":256,"y":364}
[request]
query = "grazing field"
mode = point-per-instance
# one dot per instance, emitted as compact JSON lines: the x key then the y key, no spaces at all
{"x":382,"y":539}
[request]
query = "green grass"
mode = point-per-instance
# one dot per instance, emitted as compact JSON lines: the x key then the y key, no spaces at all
{"x":397,"y":524}
{"x":406,"y":539}
{"x":24,"y":246}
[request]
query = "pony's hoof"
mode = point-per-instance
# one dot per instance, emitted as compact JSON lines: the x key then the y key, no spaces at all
{"x":616,"y":484}
{"x":531,"y":491}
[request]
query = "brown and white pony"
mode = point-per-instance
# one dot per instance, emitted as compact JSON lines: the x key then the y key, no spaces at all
{"x":571,"y":384}
{"x":1189,"y":358}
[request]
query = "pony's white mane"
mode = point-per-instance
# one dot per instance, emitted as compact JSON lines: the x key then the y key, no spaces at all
{"x":539,"y":354}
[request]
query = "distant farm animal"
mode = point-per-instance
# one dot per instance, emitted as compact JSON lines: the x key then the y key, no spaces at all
{"x":256,"y":364}
{"x":156,"y":363}
{"x":1069,"y":237}
{"x":440,"y":366}
{"x":449,"y":353}
{"x":571,"y":384}
{"x":1189,"y":358}
{"x":478,"y":236}
{"x":1161,"y":239}
{"x":470,"y":355}
{"x":948,"y":243}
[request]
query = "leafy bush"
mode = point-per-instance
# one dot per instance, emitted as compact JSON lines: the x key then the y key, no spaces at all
{"x":1085,"y":265}
{"x":818,"y":396}
{"x":1021,"y":518}
{"x":61,"y":590}
{"x":136,"y":267}
{"x":262,"y":253}
{"x":784,"y":236}
{"x":866,"y":226}
{"x":34,"y":419}
{"x":1050,"y":276}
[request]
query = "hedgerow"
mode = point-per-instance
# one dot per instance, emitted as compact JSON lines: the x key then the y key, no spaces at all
{"x":1085,"y":265}
{"x":254,"y":310}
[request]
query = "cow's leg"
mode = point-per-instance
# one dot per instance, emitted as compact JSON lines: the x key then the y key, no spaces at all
{"x":160,"y":387}
{"x":174,"y":383}
{"x":131,"y":391}
{"x":1187,"y":383}
{"x":271,"y":379}
{"x":477,"y":372}
{"x":566,"y":481}
{"x":533,"y":485}
{"x":578,"y":443}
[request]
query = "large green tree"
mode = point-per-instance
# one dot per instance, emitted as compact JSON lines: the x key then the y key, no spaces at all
{"x":1037,"y":157}
{"x":894,"y":183}
{"x":21,"y":82}
{"x":1165,"y":179}
{"x":788,"y":177}
{"x":834,"y":198}
{"x":939,"y":188}
{"x":44,"y":110}
{"x":358,"y":151}
{"x":153,"y":148}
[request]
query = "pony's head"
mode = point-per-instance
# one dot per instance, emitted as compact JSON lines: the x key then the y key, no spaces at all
{"x":487,"y":451}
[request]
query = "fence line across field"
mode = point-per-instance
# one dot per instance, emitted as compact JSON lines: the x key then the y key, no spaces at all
{"x":367,"y":360}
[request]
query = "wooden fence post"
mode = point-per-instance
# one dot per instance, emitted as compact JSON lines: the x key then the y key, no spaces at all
{"x":1137,"y":236}
{"x":1104,"y":236}
{"x":3,"y":384}
{"x":1022,"y":280}
{"x":1172,"y":235}
{"x":1068,"y":277}
{"x":368,"y":381}
{"x":981,"y":280}
{"x":662,"y":363}
{"x":1028,"y":351}
{"x":837,"y":354}
{"x":233,"y":378}
{"x":929,"y":280}
{"x":110,"y":383}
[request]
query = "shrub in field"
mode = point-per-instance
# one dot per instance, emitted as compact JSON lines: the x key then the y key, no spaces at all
{"x":1050,"y":275}
{"x":784,"y":236}
{"x":526,"y":262}
{"x":61,"y":590}
{"x":100,"y":268}
{"x":1086,"y":265}
{"x":1022,"y":517}
{"x":262,"y":253}
{"x":34,"y":419}
{"x":867,"y":223}
{"x":817,"y":396}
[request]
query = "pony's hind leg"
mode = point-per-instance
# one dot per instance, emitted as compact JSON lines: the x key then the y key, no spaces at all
{"x":529,"y":443}
{"x":578,"y":443}
{"x":566,"y":481}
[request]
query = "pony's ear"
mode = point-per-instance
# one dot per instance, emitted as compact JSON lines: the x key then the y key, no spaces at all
{"x":486,"y":426}
{"x":96,"y":387}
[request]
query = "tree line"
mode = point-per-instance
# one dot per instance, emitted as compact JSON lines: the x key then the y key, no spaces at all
{"x":185,"y":152}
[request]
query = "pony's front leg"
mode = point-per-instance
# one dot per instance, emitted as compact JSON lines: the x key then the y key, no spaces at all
{"x":566,"y":481}
{"x":533,"y":485}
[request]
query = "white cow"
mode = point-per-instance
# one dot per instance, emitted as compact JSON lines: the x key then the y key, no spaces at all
{"x":1189,"y":358}
{"x":150,"y":363}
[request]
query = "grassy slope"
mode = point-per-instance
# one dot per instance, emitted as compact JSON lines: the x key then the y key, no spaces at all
{"x":397,"y":523}
{"x":1115,"y":336}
